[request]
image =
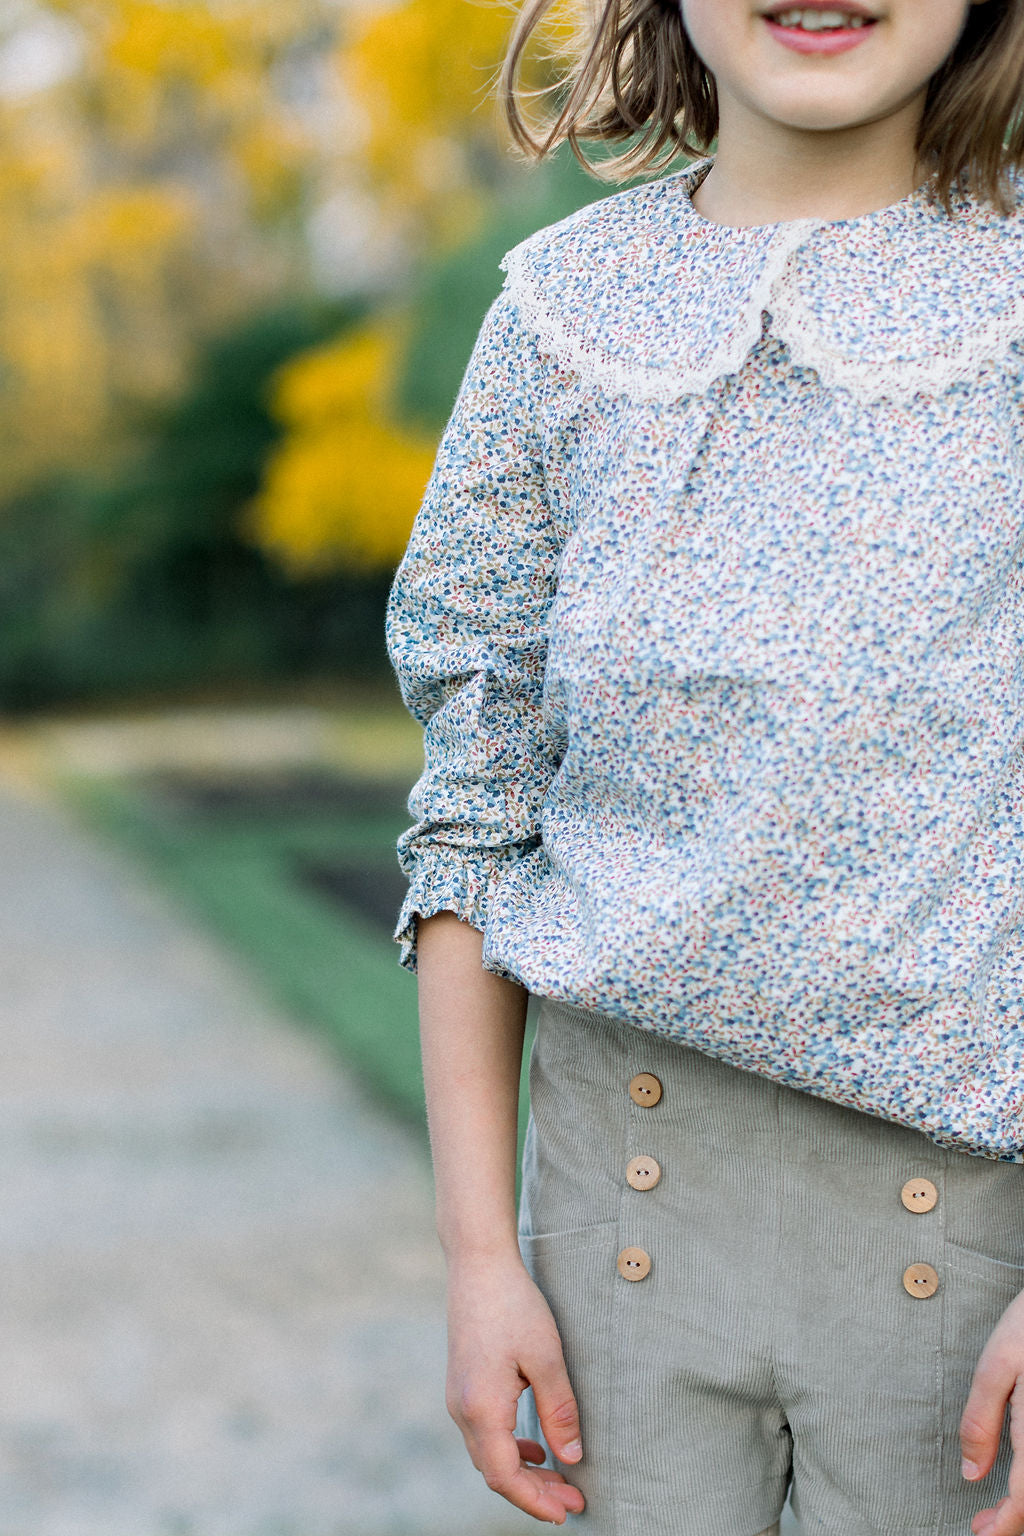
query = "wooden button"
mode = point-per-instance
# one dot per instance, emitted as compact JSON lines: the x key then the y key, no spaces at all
{"x":919,"y":1194}
{"x":634,"y":1264}
{"x":645,"y":1089}
{"x":643,"y":1173}
{"x":920,"y":1280}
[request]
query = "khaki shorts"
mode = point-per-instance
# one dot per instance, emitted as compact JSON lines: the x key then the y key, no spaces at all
{"x":757,"y":1289}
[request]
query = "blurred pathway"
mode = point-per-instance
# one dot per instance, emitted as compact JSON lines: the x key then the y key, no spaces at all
{"x":220,"y":1292}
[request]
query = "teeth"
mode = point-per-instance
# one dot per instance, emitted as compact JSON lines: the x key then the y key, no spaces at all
{"x":818,"y":21}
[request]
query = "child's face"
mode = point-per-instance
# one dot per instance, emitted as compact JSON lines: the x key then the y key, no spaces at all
{"x":812,"y":77}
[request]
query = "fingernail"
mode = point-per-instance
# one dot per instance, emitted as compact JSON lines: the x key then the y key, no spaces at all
{"x":968,"y":1468}
{"x":573,"y":1451}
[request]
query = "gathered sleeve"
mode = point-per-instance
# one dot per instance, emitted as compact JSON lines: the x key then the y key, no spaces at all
{"x":467,"y":637}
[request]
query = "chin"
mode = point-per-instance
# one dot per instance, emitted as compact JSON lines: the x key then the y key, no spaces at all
{"x":826,"y":109}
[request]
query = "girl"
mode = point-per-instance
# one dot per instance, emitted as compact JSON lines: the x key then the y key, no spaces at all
{"x":714,"y":615}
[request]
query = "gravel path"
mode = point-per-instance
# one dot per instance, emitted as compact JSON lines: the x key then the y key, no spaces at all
{"x":221,"y":1291}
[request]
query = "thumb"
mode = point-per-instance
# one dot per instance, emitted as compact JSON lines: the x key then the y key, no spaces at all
{"x":982,"y":1421}
{"x":557,"y":1411}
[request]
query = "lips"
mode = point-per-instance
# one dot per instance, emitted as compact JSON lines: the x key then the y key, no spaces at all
{"x":820,"y":26}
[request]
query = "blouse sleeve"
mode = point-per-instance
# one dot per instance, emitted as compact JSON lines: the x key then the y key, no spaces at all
{"x":467,"y":636}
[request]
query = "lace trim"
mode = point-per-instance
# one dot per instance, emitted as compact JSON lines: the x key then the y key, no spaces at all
{"x":572,"y":349}
{"x":897,"y":380}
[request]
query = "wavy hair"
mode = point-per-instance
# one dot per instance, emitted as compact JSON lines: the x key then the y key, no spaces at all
{"x":635,"y":79}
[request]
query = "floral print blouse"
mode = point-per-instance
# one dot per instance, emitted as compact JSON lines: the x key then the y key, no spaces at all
{"x":714,"y":618}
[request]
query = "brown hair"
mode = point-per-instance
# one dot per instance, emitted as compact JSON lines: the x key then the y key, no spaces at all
{"x":637,"y":79}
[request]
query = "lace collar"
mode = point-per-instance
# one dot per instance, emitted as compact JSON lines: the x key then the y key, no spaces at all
{"x":642,"y":295}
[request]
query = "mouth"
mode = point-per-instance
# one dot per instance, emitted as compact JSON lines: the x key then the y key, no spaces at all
{"x":823,"y":16}
{"x":822,"y":26}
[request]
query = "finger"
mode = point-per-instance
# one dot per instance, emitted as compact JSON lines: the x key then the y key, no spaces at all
{"x":557,"y":1410}
{"x":1007,"y":1517}
{"x":984,"y":1522}
{"x":529,"y":1450}
{"x":487,"y":1421}
{"x":542,"y":1493}
{"x":982,"y":1421}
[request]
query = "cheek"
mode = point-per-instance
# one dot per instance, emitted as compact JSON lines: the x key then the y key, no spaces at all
{"x":929,"y":31}
{"x":707,"y":27}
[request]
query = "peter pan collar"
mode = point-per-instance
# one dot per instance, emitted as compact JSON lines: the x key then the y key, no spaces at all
{"x":643,"y":296}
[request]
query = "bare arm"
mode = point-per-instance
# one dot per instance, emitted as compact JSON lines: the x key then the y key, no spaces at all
{"x":471,"y":1025}
{"x":501,"y":1334}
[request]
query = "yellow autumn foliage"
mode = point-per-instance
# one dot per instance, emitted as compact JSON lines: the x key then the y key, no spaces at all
{"x":162,"y":42}
{"x":343,"y":487}
{"x":423,"y":72}
{"x":163,"y":61}
{"x":125,"y":228}
{"x":348,"y":377}
{"x":84,"y":262}
{"x":134,"y":189}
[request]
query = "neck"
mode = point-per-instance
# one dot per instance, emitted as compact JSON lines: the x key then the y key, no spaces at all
{"x":769,"y":173}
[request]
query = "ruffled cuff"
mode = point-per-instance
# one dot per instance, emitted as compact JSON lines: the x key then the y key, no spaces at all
{"x":458,"y":880}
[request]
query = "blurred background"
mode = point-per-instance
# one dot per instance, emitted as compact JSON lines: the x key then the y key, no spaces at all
{"x":246,"y":246}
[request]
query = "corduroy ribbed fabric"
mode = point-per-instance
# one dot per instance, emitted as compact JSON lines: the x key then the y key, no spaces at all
{"x":773,"y":1338}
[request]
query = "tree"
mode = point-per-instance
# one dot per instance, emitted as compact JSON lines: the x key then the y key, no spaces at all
{"x":343,"y":485}
{"x":149,"y":193}
{"x":362,"y":415}
{"x":143,"y":579}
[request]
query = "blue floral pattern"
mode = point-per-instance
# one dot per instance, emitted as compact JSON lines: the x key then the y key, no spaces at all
{"x":714,"y":618}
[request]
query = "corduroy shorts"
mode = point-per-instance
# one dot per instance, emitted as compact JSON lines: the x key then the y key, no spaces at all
{"x":815,"y":1287}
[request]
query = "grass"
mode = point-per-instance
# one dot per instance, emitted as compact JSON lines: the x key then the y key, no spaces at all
{"x":321,"y":962}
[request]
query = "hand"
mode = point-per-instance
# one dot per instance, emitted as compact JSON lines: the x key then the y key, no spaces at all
{"x":502,"y":1339}
{"x":998,"y":1382}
